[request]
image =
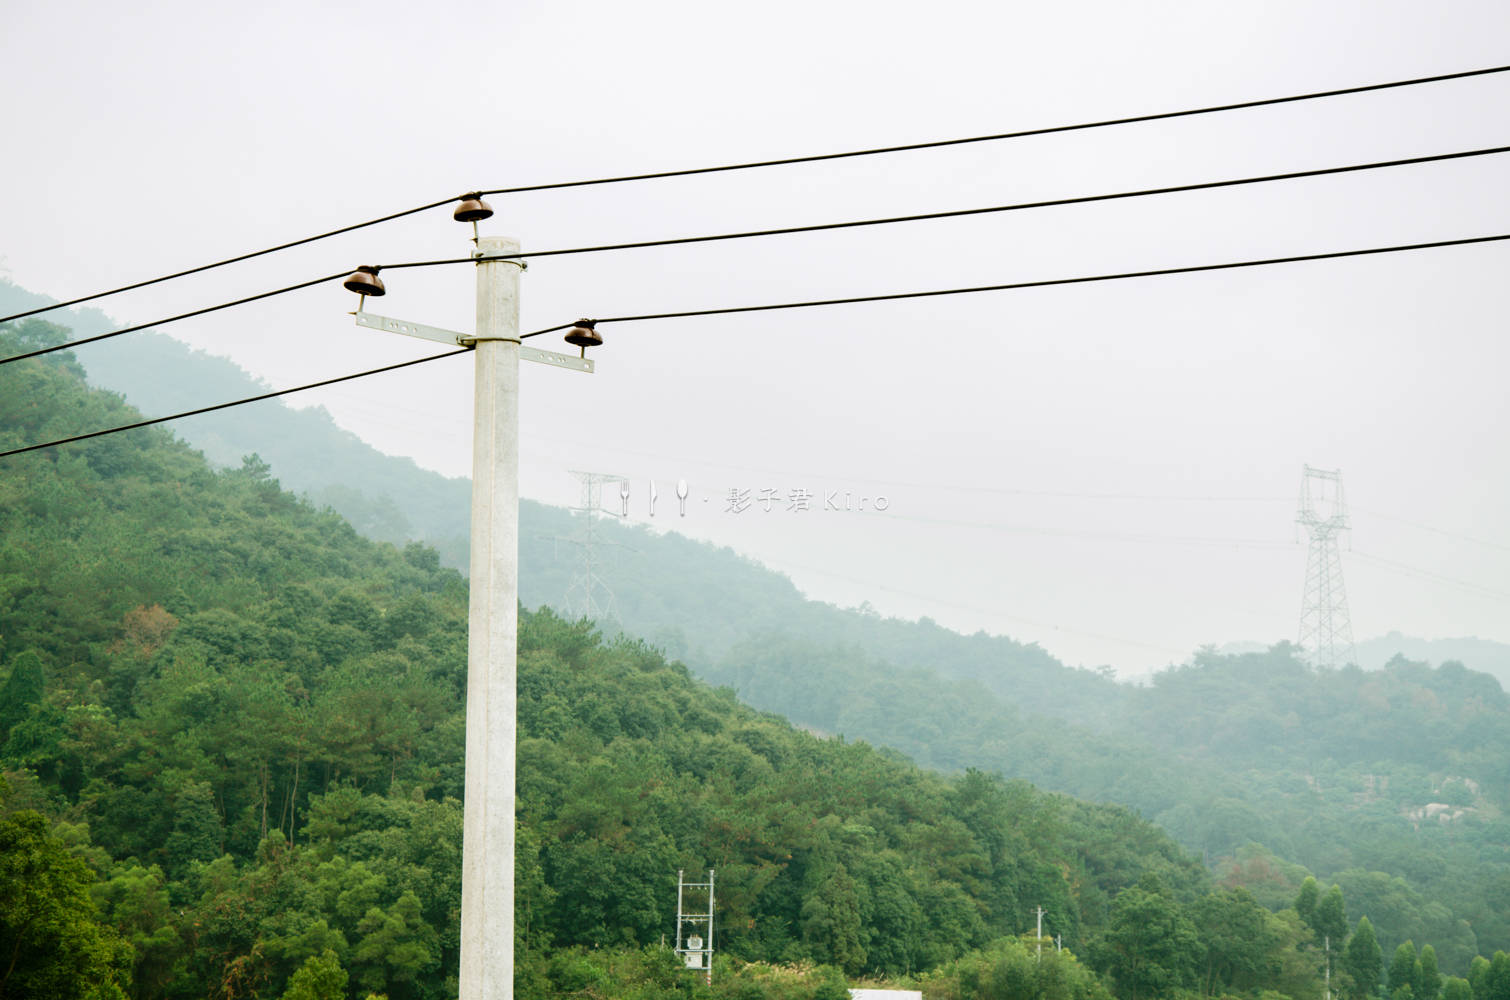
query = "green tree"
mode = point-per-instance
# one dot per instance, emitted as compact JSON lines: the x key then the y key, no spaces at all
{"x":1478,"y":977}
{"x":23,"y":689}
{"x":1456,"y":988}
{"x":831,"y":921}
{"x":1363,"y":959}
{"x":1428,"y":981}
{"x":319,"y":978}
{"x":394,"y":947}
{"x":1235,"y":940}
{"x":1497,"y":981}
{"x":197,"y":831}
{"x":1402,"y":968}
{"x":51,"y":945}
{"x":1329,"y":920}
{"x":1305,"y":902}
{"x":135,"y":901}
{"x":1154,"y":947}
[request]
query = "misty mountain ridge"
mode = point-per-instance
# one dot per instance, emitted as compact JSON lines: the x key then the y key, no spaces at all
{"x":390,"y":498}
{"x":1484,"y":655}
{"x":1262,"y":765}
{"x":232,"y":755}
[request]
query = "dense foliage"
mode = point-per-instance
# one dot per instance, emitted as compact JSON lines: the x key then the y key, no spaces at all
{"x":232,"y":729}
{"x":246,"y":721}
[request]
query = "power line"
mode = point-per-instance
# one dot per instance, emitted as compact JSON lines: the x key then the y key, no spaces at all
{"x":738,"y":309}
{"x":229,"y":260}
{"x":818,"y":227}
{"x":814,"y":158}
{"x":174,"y":319}
{"x":1113,"y":536}
{"x":790,"y":475}
{"x":1427,"y":574}
{"x":1045,"y":283}
{"x":237,"y":402}
{"x":1435,"y":530}
{"x":1024,"y":133}
{"x":963,"y":212}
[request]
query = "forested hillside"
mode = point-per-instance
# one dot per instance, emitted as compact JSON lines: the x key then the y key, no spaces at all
{"x":1394,"y":783}
{"x":1481,"y":654}
{"x":385,"y":498}
{"x":230,"y":729}
{"x":231,"y":736}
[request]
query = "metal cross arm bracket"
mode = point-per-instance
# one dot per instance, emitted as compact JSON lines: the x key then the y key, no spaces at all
{"x":453,"y":339}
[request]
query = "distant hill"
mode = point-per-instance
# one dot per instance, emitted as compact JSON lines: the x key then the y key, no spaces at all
{"x":696,"y":600}
{"x":1392,"y":782}
{"x":1484,"y":655}
{"x":231,"y":750}
{"x":386,"y":498}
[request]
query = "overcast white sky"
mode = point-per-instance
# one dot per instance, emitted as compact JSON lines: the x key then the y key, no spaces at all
{"x":1109,"y":470}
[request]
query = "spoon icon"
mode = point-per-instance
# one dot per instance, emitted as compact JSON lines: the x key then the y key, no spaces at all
{"x":681,"y":495}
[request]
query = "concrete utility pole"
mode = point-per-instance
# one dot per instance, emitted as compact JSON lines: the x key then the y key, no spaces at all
{"x":1328,"y":940}
{"x":487,"y":861}
{"x":1040,"y":934}
{"x":487,"y":852}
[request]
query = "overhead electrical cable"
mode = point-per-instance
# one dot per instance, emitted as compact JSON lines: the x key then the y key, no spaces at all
{"x":855,"y":480}
{"x":1021,"y":134}
{"x":173,"y":319}
{"x":1098,"y":536}
{"x":962,"y":212}
{"x":234,"y":402}
{"x":229,"y":260}
{"x":1333,"y":255}
{"x":1044,"y":283}
{"x":819,"y":227}
{"x":1434,"y":529}
{"x":786,"y":161}
{"x":1427,"y":574}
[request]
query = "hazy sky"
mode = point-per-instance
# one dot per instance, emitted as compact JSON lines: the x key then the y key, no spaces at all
{"x":1110,"y":470}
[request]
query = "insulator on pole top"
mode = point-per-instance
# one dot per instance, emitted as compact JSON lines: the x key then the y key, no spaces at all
{"x":583,"y":335}
{"x":472,"y":209}
{"x":365,"y":281}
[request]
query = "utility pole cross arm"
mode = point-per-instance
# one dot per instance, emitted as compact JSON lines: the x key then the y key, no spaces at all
{"x":452,"y":338}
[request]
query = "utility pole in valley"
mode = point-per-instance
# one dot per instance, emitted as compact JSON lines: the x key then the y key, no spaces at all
{"x":487,"y":865}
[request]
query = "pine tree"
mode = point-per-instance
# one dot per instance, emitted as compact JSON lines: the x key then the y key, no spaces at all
{"x":1429,"y":978}
{"x":1363,"y":959}
{"x":1330,"y":918}
{"x":23,"y":689}
{"x":1305,"y":902}
{"x":1402,"y":968}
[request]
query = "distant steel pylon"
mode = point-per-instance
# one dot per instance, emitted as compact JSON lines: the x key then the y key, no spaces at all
{"x":1325,"y":630}
{"x":589,"y":595}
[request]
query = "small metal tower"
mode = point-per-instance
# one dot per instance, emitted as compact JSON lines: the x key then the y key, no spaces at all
{"x":694,"y":930}
{"x":588,"y":595}
{"x":1325,"y":630}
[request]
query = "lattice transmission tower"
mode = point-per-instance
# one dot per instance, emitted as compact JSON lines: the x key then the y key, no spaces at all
{"x":589,"y":595}
{"x":1325,"y":630}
